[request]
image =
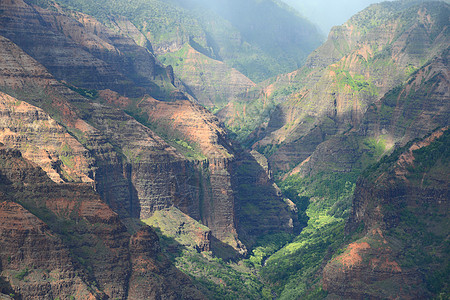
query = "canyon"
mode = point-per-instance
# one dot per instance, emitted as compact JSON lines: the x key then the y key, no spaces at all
{"x":143,"y":156}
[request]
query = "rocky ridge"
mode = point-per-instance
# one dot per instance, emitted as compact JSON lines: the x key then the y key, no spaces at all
{"x":134,"y":170}
{"x":405,"y":113}
{"x":394,"y":204}
{"x":353,"y":69}
{"x":77,"y":245}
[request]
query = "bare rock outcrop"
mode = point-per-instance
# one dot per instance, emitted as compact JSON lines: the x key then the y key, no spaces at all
{"x":67,"y":241}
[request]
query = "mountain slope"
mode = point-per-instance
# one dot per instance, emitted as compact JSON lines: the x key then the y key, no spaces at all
{"x":406,"y":112}
{"x":229,"y":45}
{"x":372,"y":53}
{"x":323,"y":184}
{"x":140,"y":154}
{"x":401,"y":205}
{"x":229,"y":31}
{"x":61,"y":240}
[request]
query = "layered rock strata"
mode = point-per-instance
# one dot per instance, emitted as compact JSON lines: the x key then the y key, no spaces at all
{"x":77,"y":244}
{"x":89,"y":136}
{"x":401,"y":208}
{"x":352,"y":70}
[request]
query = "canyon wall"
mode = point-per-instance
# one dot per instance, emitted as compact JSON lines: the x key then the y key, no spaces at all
{"x":398,"y":222}
{"x":61,"y":240}
{"x":66,"y":108}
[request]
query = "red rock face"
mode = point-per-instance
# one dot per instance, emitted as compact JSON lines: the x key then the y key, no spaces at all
{"x":88,"y":139}
{"x":193,"y":121}
{"x":73,"y":241}
{"x":370,"y":270}
{"x":61,"y":156}
{"x":34,"y":260}
{"x":394,"y":205}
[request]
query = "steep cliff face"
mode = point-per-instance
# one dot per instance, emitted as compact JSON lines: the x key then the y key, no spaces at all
{"x":406,"y":112}
{"x":401,"y":209}
{"x":42,"y":140}
{"x":88,"y":137}
{"x":160,"y":176}
{"x":76,"y":244}
{"x":202,"y":189}
{"x":78,"y":49}
{"x":353,"y":69}
{"x":23,"y":77}
{"x":261,"y":207}
{"x":211,"y":82}
{"x":121,"y":178}
{"x":221,"y":181}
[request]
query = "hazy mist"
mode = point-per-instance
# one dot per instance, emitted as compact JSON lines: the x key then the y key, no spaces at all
{"x":328,"y":13}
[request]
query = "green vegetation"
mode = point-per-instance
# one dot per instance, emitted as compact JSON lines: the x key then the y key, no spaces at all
{"x":256,"y":200}
{"x":89,"y":94}
{"x":66,"y":156}
{"x":22,"y":274}
{"x":329,"y":190}
{"x":425,"y":158}
{"x":375,"y":15}
{"x":208,"y":79}
{"x":247,"y":117}
{"x":265,"y":246}
{"x":324,"y":202}
{"x":176,"y":59}
{"x":372,"y":150}
{"x":424,"y":227}
{"x":173,"y":224}
{"x":229,"y":31}
{"x":292,"y":271}
{"x":172,"y":136}
{"x":216,"y":277}
{"x":357,"y":83}
{"x":222,"y":280}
